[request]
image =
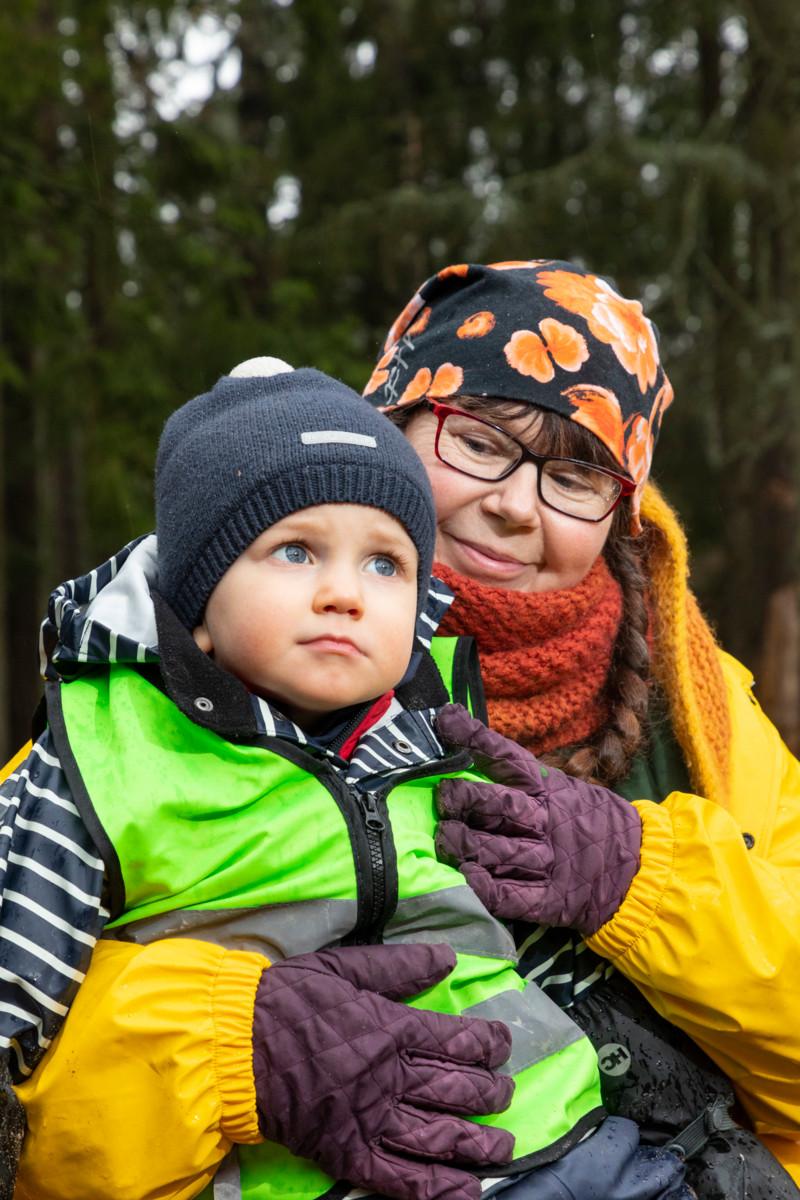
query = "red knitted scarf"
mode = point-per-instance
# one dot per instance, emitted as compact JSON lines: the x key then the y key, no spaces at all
{"x":545,"y":656}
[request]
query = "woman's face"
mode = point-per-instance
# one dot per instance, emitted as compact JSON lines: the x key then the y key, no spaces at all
{"x":501,"y":533}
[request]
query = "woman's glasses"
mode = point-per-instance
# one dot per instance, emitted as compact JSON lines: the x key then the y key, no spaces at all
{"x":476,"y":447}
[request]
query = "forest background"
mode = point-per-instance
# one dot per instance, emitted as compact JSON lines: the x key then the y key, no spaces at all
{"x":185,"y":185}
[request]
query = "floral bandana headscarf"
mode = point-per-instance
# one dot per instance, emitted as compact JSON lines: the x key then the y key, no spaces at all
{"x":543,"y":332}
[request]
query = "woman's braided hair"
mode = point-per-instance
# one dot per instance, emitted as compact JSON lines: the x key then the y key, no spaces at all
{"x":608,"y":756}
{"x":609,"y":753}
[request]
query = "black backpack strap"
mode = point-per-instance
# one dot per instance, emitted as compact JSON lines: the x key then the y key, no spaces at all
{"x":425,"y":688}
{"x":467,"y":679}
{"x":39,"y":719}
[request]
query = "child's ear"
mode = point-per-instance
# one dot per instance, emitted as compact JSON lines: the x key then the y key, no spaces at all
{"x":203,"y":638}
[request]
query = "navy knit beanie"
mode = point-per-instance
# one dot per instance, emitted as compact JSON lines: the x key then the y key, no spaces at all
{"x":265,"y":442}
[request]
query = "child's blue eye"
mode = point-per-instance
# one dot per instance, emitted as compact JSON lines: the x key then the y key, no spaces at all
{"x":382,"y":565}
{"x":292,"y":552}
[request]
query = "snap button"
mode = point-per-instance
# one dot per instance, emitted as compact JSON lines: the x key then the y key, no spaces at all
{"x":204,"y":704}
{"x":401,"y":747}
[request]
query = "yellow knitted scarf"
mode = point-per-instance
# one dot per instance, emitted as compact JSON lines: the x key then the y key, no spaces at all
{"x":686,"y":658}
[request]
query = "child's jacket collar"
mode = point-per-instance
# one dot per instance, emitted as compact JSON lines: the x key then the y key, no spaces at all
{"x":398,"y":737}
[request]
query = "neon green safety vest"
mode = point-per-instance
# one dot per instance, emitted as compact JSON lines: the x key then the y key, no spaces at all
{"x":261,"y":846}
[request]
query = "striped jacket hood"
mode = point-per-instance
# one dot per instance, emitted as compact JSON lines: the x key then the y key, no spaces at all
{"x":103,"y":617}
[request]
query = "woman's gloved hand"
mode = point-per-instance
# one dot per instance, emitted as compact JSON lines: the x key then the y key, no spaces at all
{"x":535,"y":844}
{"x":371,"y":1090}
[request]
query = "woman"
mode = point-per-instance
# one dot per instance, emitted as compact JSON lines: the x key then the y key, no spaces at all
{"x":571,"y":575}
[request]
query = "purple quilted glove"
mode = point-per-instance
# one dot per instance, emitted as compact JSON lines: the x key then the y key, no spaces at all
{"x":535,"y":844}
{"x":371,"y":1090}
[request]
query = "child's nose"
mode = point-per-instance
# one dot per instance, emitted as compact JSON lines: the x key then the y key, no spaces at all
{"x":340,"y":591}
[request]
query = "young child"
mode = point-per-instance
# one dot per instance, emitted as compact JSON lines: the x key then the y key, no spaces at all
{"x":249,"y":745}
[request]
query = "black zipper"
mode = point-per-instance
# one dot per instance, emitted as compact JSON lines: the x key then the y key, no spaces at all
{"x":375,"y":827}
{"x":367,"y":819}
{"x":349,"y":729}
{"x":377,"y":885}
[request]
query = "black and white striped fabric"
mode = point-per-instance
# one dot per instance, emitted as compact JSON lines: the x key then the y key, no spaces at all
{"x":398,"y":740}
{"x":560,"y":962}
{"x":51,"y":913}
{"x":103,"y":617}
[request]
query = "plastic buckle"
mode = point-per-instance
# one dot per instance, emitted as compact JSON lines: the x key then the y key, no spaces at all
{"x":714,"y":1118}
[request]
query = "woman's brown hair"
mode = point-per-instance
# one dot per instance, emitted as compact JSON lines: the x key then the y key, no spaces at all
{"x":608,"y":755}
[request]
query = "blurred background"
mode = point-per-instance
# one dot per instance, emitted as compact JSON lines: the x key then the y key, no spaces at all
{"x":185,"y":185}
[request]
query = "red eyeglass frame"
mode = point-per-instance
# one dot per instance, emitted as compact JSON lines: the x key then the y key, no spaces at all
{"x":442,"y":411}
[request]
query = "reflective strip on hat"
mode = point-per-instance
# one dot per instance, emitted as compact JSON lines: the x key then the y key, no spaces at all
{"x":320,"y":437}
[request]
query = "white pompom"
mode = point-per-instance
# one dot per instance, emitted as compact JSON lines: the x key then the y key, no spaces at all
{"x":260,"y":368}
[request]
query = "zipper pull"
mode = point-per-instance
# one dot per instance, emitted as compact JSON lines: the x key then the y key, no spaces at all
{"x":369,"y":805}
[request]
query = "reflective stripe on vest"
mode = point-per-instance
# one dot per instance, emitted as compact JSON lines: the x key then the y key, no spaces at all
{"x":228,"y":1180}
{"x":216,"y":840}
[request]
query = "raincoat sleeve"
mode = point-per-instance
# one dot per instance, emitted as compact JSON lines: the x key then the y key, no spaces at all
{"x":710,"y":929}
{"x":150,"y":1081}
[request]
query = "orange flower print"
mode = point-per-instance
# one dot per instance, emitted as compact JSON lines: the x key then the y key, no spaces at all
{"x":421,"y":322}
{"x":533,"y":355}
{"x":566,"y":345}
{"x":406,"y":317}
{"x":377,"y":379}
{"x":623,"y":325}
{"x":446,"y":382}
{"x":620,"y":323}
{"x":457,"y":269}
{"x":639,"y":449}
{"x":515,"y":264}
{"x":527,"y":353}
{"x":664,"y":397}
{"x":599,"y":410}
{"x":417,"y":387}
{"x":478,"y":325}
{"x":642,"y":434}
{"x":573,"y":292}
{"x":380,"y":374}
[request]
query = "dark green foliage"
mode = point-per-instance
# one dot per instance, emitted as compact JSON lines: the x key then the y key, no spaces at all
{"x":148,"y":243}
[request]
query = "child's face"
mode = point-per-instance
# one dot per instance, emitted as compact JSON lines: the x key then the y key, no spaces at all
{"x":319,"y":612}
